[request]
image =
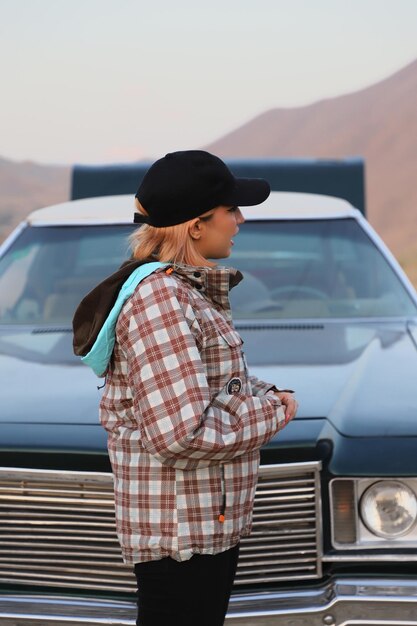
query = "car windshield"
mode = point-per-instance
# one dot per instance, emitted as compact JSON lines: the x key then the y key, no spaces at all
{"x":292,"y":269}
{"x":323,"y":268}
{"x":49,"y":269}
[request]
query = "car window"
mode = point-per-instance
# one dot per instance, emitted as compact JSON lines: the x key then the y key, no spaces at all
{"x":48,"y":270}
{"x":314,"y":268}
{"x":292,"y":269}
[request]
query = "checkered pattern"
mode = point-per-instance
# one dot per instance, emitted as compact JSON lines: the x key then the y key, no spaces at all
{"x":178,"y":441}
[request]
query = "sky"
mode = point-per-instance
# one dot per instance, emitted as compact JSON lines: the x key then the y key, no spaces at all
{"x":102,"y":81}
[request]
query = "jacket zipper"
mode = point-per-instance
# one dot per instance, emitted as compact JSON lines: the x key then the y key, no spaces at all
{"x":223,"y":507}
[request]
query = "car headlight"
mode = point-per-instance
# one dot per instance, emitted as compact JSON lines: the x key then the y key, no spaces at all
{"x":388,"y":508}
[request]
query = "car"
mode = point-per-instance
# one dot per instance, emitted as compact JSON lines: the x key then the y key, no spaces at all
{"x":324,"y":309}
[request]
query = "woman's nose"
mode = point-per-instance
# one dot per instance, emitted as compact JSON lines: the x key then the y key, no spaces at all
{"x":239,"y":217}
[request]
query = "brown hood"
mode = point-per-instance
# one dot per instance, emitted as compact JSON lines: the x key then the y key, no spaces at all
{"x":95,"y":307}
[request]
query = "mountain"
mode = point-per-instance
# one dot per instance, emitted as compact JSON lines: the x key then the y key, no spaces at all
{"x":27,"y":186}
{"x":378,"y":123}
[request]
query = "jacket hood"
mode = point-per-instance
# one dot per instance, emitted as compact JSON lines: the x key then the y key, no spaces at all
{"x":95,"y":307}
{"x":95,"y":319}
{"x":98,"y":358}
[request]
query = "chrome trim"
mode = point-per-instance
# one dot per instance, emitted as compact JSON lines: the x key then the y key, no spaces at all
{"x":319,"y":523}
{"x":61,"y":475}
{"x":45,"y":610}
{"x":10,"y":239}
{"x":57,"y":529}
{"x":340,"y":602}
{"x":370,"y":558}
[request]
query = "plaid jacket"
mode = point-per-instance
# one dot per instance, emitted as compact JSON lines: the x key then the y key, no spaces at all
{"x":185,"y":421}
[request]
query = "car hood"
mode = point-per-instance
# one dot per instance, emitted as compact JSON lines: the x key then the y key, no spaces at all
{"x":360,"y":376}
{"x":42,"y":382}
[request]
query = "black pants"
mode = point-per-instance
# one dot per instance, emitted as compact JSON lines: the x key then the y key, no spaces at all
{"x":192,"y":592}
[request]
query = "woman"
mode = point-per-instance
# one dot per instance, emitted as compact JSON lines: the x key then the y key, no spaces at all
{"x":185,"y":421}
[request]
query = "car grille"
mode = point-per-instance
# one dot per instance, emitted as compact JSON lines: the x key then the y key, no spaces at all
{"x":57,"y":529}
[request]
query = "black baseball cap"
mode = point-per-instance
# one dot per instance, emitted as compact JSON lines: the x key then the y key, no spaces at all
{"x":185,"y":184}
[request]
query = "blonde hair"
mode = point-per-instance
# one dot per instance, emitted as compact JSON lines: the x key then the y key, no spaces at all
{"x":168,"y":244}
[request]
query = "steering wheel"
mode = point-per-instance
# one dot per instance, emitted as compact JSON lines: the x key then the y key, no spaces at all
{"x":303,"y":290}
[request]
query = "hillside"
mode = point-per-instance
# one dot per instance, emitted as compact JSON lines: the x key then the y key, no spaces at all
{"x":27,"y":186}
{"x":378,"y":123}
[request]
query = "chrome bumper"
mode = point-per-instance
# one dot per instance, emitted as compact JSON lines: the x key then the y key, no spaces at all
{"x":358,"y":602}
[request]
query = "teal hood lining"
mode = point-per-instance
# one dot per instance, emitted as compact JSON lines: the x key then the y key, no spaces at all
{"x":98,"y":358}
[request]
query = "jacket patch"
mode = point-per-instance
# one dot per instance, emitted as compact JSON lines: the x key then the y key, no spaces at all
{"x":234,"y":386}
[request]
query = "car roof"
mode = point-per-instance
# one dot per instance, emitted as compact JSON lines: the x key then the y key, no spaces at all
{"x":120,"y":209}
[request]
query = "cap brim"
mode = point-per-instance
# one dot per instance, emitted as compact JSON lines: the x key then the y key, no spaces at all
{"x":249,"y":191}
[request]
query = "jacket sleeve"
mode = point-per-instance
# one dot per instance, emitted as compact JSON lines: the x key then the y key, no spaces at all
{"x":181,"y":422}
{"x":259,"y":387}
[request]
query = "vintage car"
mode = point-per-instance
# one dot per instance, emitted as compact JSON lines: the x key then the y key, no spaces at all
{"x":324,"y":309}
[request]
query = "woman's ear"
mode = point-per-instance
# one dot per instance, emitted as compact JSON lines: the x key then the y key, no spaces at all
{"x":195,"y":229}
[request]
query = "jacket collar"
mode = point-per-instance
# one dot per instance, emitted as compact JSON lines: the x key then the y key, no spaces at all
{"x":214,"y":283}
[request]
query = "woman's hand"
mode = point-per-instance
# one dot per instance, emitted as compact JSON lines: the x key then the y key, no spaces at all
{"x":289,"y":402}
